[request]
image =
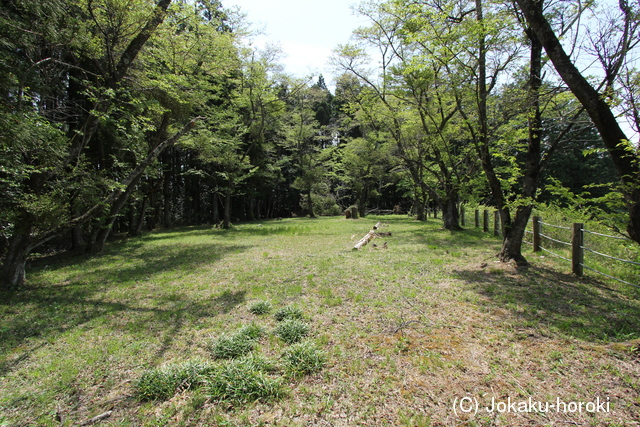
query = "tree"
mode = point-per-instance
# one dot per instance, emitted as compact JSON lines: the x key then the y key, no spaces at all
{"x":304,"y":141}
{"x":414,"y":87}
{"x":596,"y":104}
{"x":86,"y":86}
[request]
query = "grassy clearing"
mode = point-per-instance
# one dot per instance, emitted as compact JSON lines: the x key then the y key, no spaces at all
{"x":397,"y":335}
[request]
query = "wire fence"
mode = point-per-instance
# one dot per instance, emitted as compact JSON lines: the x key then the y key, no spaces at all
{"x":544,"y":240}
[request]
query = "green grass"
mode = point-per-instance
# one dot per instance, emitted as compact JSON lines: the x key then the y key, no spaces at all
{"x":292,"y":331}
{"x":289,"y":312}
{"x":398,"y":333}
{"x":165,"y":381}
{"x":260,"y":307}
{"x":238,"y":344}
{"x":243,"y":381}
{"x":303,"y":358}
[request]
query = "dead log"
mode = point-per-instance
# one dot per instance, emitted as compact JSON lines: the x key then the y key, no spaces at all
{"x":370,"y":235}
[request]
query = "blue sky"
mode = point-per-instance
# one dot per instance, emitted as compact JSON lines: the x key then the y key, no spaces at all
{"x":306,"y":30}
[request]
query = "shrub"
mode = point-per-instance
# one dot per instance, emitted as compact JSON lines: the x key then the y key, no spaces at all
{"x":163,"y":382}
{"x":243,"y":381}
{"x":260,"y":307}
{"x":289,"y":312}
{"x":292,"y":330}
{"x":303,"y":358}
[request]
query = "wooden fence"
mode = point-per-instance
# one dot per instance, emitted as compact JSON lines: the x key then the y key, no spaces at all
{"x":576,"y":245}
{"x":497,"y":228}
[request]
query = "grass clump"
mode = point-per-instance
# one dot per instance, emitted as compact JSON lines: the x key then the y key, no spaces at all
{"x":163,"y":382}
{"x":239,"y":344}
{"x":260,"y":307}
{"x":252,"y":332}
{"x":289,"y":312}
{"x":303,"y":358}
{"x":292,"y":331}
{"x":243,"y":381}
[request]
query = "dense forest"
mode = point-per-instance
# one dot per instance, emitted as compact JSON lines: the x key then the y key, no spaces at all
{"x":118,"y":116}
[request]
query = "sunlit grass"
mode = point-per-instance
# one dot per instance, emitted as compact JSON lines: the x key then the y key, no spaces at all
{"x":394,"y":334}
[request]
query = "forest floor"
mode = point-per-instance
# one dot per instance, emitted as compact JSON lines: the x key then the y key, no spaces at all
{"x":430,"y":331}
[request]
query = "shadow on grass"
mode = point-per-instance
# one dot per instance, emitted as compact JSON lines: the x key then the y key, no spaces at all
{"x":434,"y":234}
{"x":43,"y":315}
{"x":559,"y":304}
{"x":41,"y":312}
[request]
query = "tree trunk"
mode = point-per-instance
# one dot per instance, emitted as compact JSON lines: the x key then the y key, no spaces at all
{"x":252,"y":208}
{"x":450,"y":213}
{"x":512,"y":244}
{"x":310,"y":204}
{"x":482,"y":139}
{"x":420,"y":203}
{"x":625,"y":160}
{"x":77,"y":233}
{"x":215,"y":209}
{"x":13,"y":267}
{"x":226,"y":222}
{"x":514,"y":232}
{"x":166,"y":190}
{"x":140,"y":222}
{"x":362,"y":242}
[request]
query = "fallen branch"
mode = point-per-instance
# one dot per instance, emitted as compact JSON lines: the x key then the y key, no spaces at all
{"x":370,"y":235}
{"x":97,"y":418}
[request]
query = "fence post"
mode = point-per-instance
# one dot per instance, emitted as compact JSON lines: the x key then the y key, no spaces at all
{"x":485,"y":225}
{"x":536,"y":234}
{"x":462,"y":216}
{"x":496,"y":223}
{"x":577,"y":252}
{"x":477,"y":218}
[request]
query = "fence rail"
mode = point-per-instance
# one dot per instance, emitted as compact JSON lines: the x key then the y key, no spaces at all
{"x":577,"y":247}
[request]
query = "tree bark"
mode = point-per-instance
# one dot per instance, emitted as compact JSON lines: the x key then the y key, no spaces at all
{"x":514,"y":232}
{"x":13,"y":267}
{"x":226,"y":221}
{"x":310,"y":204}
{"x":450,"y":213}
{"x":141,"y":215}
{"x":615,"y":140}
{"x":166,"y":189}
{"x":215,"y":209}
{"x":366,"y":239}
{"x":420,"y":203}
{"x":77,"y":234}
{"x":481,"y":139}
